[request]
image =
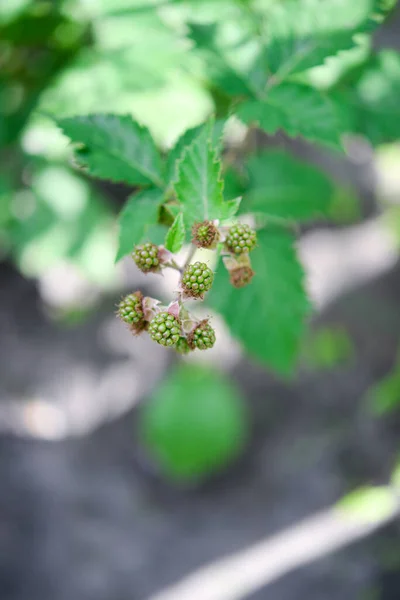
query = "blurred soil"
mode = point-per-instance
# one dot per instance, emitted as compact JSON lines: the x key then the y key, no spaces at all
{"x":82,"y":519}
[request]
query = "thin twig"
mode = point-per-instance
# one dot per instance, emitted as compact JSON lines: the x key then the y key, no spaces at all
{"x":192,"y":252}
{"x":172,"y":265}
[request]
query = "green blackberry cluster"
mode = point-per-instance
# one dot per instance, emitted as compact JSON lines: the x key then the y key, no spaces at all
{"x":165,"y":329}
{"x":202,"y":337}
{"x":205,"y":234}
{"x":241,"y":238}
{"x":197,"y":279}
{"x":130,"y":311}
{"x":146,"y":257}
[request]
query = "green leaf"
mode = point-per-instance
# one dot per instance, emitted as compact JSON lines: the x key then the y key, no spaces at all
{"x":267,"y":316}
{"x":194,"y":424}
{"x":178,"y":150}
{"x":297,"y":109}
{"x":176,"y":153}
{"x":138,"y":215}
{"x":176,"y":235}
{"x":115,"y":147}
{"x":230,"y":208}
{"x":199,"y":187}
{"x":284,"y":187}
{"x":384,"y":397}
{"x":371,"y":105}
{"x":302,"y":35}
{"x":233,"y":55}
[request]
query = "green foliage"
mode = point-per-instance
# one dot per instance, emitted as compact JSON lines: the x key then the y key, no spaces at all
{"x":298,"y":110}
{"x":116,"y":148}
{"x":282,"y":186}
{"x":231,"y":57}
{"x":370,"y":106}
{"x":268,"y":316}
{"x":327,"y":348}
{"x":176,"y":235}
{"x":195,"y":423}
{"x":301,"y":68}
{"x":384,"y":397}
{"x":167,"y":70}
{"x":199,"y":187}
{"x":302,"y":35}
{"x":139,"y":213}
{"x":177,"y":152}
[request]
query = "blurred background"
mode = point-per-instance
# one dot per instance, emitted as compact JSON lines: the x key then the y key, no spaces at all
{"x":127,"y":473}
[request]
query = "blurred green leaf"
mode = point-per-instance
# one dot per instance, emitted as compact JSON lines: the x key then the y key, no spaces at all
{"x":115,"y":147}
{"x":232,"y":56}
{"x":282,"y":186}
{"x":384,"y":397}
{"x":61,"y":220}
{"x":298,"y":110}
{"x":371,"y":105}
{"x":267,"y":316}
{"x":139,"y":213}
{"x":194,"y":424}
{"x":11,"y":10}
{"x":345,"y":206}
{"x":176,"y":235}
{"x":327,"y":347}
{"x":302,"y":35}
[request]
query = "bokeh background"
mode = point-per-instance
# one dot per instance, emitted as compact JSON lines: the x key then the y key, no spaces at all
{"x":126,"y":474}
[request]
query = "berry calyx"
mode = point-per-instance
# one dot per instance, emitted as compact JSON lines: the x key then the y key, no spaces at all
{"x":202,"y":336}
{"x":241,"y":239}
{"x":182,"y":346}
{"x":130,"y":311}
{"x":197,"y":279}
{"x":146,"y":257}
{"x":241,"y":276}
{"x":205,"y":235}
{"x":165,"y":329}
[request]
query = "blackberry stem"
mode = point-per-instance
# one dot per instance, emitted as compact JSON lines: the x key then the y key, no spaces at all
{"x":192,"y":252}
{"x":173,"y":265}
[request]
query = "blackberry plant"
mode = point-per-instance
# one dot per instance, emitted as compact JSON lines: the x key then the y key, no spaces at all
{"x":233,"y":200}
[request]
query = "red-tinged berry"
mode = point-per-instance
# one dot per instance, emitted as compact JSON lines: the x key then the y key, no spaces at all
{"x":146,"y":257}
{"x":205,"y":235}
{"x":241,"y":276}
{"x":165,"y":329}
{"x":130,"y":311}
{"x":241,"y":239}
{"x":202,"y":336}
{"x":182,"y":346}
{"x":197,"y":279}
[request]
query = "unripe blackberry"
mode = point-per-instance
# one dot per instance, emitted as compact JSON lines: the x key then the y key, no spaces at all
{"x":165,"y":329}
{"x":205,"y":234}
{"x":130,"y":310}
{"x":182,"y":346}
{"x":241,"y":276}
{"x":197,"y":279}
{"x":202,"y":337}
{"x":146,"y":257}
{"x":241,"y":238}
